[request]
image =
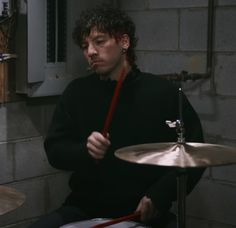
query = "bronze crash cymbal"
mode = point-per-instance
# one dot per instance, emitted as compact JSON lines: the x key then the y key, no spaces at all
{"x":179,"y":155}
{"x":10,"y":199}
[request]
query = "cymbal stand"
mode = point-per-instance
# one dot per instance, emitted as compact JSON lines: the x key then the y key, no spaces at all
{"x":181,"y":175}
{"x":181,"y":198}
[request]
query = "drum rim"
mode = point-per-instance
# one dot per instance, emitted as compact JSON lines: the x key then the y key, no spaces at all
{"x":105,"y":220}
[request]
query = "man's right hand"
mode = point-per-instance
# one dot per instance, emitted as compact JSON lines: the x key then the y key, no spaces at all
{"x":97,"y":145}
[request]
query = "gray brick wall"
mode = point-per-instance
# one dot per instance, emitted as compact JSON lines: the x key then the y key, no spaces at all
{"x":193,"y":29}
{"x":225,"y":37}
{"x":163,"y":28}
{"x":23,"y":163}
{"x":173,"y":37}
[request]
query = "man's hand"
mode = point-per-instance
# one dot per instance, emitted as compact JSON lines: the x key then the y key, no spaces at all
{"x":147,"y":209}
{"x":97,"y":145}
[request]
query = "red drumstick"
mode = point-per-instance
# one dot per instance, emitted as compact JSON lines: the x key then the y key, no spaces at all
{"x":134,"y":215}
{"x":113,"y":104}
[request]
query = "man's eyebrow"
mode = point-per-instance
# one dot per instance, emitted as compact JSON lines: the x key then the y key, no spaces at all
{"x":99,"y":36}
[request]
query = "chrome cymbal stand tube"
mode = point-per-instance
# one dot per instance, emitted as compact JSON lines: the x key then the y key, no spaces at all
{"x":179,"y":123}
{"x":181,"y":198}
{"x":181,"y":175}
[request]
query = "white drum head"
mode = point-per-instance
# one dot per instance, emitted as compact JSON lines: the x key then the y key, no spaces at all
{"x":93,"y":222}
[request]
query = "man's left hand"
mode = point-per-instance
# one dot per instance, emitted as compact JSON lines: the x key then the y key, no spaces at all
{"x":147,"y":209}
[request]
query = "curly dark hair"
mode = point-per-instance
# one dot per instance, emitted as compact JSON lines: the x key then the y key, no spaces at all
{"x":108,"y":20}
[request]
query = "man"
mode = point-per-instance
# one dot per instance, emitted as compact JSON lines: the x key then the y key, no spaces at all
{"x":103,"y":186}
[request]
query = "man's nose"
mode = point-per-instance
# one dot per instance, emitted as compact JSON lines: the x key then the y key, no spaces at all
{"x":91,"y":50}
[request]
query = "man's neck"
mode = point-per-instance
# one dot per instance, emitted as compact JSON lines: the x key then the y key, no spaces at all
{"x":115,"y":75}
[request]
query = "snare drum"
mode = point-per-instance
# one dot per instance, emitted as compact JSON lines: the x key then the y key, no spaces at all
{"x":93,"y":222}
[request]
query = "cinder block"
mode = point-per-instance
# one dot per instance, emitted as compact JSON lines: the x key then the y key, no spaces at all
{"x":30,"y":159}
{"x":156,"y":30}
{"x":227,"y":113}
{"x":15,"y":122}
{"x":205,"y":106}
{"x":217,"y":116}
{"x":225,"y":70}
{"x":6,"y":163}
{"x":133,"y":5}
{"x":177,"y":3}
{"x":196,"y":223}
{"x":225,"y":32}
{"x":197,"y":89}
{"x":170,"y":62}
{"x":35,"y":112}
{"x":48,"y":113}
{"x":211,"y":128}
{"x":226,"y":3}
{"x":225,"y":173}
{"x":40,"y":112}
{"x":34,"y":205}
{"x":213,"y":201}
{"x":58,"y":190}
{"x":193,"y":29}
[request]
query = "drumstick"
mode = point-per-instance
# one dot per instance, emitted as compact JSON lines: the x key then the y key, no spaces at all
{"x":113,"y":103}
{"x":134,"y":215}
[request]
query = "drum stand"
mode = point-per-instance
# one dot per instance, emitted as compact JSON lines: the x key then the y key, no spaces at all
{"x":181,"y":198}
{"x":180,"y":155}
{"x":181,"y":185}
{"x":181,"y":172}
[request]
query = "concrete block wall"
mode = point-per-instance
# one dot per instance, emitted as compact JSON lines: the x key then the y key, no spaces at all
{"x":23,"y":163}
{"x":173,"y":37}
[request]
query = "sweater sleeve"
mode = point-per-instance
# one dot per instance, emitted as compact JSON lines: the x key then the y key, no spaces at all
{"x":64,"y":148}
{"x":164,"y":191}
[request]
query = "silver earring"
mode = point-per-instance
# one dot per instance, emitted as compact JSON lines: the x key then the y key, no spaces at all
{"x":124,"y":50}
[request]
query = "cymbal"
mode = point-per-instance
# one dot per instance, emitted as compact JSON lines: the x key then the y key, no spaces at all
{"x":10,"y":199}
{"x":182,"y":155}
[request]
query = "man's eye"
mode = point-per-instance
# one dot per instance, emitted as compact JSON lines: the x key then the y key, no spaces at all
{"x":100,"y":42}
{"x":84,"y":46}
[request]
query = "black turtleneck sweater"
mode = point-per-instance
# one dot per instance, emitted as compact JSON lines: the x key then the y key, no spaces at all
{"x":114,"y":187}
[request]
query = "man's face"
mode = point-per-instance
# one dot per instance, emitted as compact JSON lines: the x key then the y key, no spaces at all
{"x":103,"y":52}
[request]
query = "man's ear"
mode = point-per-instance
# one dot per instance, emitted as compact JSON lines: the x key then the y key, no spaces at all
{"x":125,"y":41}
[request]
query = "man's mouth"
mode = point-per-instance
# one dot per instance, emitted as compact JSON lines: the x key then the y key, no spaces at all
{"x":96,"y":63}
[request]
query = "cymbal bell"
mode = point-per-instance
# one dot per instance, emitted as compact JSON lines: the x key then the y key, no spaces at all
{"x":10,"y":199}
{"x":181,"y":155}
